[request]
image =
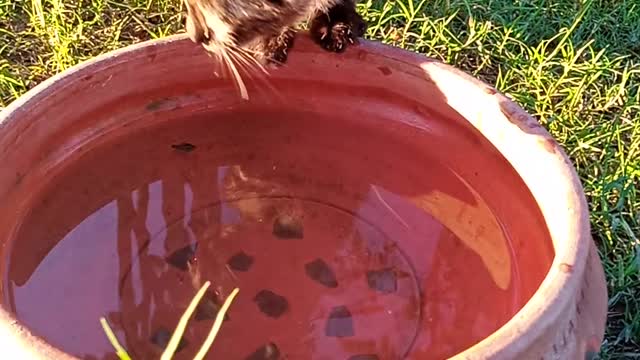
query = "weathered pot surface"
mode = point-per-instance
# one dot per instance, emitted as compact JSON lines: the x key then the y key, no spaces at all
{"x":374,"y":203}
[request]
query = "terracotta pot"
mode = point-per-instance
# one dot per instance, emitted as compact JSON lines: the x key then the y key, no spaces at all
{"x":370,"y":205}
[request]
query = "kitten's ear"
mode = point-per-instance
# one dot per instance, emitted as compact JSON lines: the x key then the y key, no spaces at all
{"x":196,"y":26}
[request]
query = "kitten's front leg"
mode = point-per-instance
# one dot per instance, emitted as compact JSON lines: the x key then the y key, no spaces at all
{"x":275,"y":50}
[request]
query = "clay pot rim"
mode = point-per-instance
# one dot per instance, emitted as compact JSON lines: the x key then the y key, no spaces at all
{"x":563,"y":279}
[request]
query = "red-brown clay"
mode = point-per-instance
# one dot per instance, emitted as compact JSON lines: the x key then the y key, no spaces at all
{"x":369,"y":205}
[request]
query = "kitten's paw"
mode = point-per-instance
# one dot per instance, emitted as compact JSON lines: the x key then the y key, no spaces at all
{"x":277,"y":48}
{"x":338,"y":28}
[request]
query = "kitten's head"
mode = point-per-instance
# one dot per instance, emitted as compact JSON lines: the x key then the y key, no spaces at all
{"x":242,"y":23}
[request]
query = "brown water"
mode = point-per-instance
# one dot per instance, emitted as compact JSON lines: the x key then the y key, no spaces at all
{"x":346,"y":242}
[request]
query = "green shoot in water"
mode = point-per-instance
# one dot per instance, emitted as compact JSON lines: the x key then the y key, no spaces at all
{"x":180,"y":328}
{"x":120,"y":351}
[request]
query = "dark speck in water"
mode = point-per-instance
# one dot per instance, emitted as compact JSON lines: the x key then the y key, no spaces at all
{"x":364,"y":357}
{"x":240,"y":262}
{"x":271,"y":304}
{"x":267,"y":352}
{"x":161,"y":338}
{"x":385,"y":70}
{"x":288,"y":227}
{"x":384,"y":281}
{"x":319,"y":271}
{"x":208,"y":308}
{"x":340,"y":323}
{"x":182,"y":257}
{"x":184,"y":147}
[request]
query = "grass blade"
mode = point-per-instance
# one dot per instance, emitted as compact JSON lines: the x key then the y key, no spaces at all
{"x":120,"y":351}
{"x":182,"y":324}
{"x":216,"y":325}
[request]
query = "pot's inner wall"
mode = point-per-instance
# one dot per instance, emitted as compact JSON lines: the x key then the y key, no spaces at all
{"x":360,"y":228}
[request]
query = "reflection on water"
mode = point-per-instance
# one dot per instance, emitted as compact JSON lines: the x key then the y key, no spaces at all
{"x":376,"y":266}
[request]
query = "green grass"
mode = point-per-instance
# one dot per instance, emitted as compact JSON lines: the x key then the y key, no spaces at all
{"x":574,"y":64}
